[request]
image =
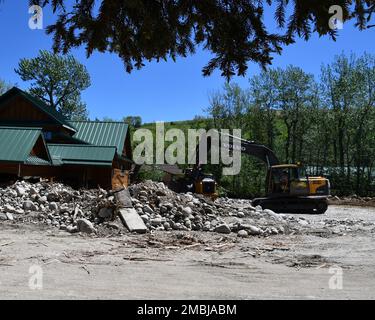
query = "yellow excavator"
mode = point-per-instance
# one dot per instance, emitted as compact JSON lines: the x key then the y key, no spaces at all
{"x":288,"y":188}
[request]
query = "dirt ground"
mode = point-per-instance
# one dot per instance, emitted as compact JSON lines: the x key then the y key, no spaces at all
{"x":42,"y":263}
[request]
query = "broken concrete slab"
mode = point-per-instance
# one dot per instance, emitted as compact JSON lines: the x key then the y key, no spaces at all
{"x":132,"y":220}
{"x":124,"y":199}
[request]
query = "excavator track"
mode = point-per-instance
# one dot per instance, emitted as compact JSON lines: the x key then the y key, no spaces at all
{"x":306,"y":205}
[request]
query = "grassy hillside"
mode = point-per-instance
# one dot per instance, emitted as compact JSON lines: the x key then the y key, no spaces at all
{"x":249,"y":183}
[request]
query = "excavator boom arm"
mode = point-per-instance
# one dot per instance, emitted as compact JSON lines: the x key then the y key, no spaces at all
{"x":251,"y":148}
{"x":258,"y":151}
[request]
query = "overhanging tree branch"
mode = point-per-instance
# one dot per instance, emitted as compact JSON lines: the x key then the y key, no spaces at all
{"x":233,"y":31}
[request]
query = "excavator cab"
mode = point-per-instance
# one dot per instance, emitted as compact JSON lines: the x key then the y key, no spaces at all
{"x":291,"y":179}
{"x":286,"y":179}
{"x":290,"y":189}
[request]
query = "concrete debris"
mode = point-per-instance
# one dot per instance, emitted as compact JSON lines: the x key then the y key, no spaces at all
{"x":253,"y":230}
{"x":352,"y":200}
{"x":150,"y":206}
{"x":222,"y":228}
{"x":242,"y":234}
{"x":57,"y":205}
{"x":9,"y":216}
{"x":132,"y":220}
{"x":85,"y":226}
{"x":163,"y":209}
{"x":105,"y":212}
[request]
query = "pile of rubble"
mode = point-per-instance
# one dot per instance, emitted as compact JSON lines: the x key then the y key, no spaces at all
{"x":57,"y":205}
{"x":353,"y":200}
{"x":155,"y":206}
{"x":162,"y":209}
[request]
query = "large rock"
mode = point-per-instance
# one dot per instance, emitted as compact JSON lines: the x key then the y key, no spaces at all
{"x":188,"y":223}
{"x":85,"y":226}
{"x":187,"y":211}
{"x":253,"y":230}
{"x":53,"y":197}
{"x":20,"y":191}
{"x":33,"y":191}
{"x":147,"y":209}
{"x":242,"y":233}
{"x":222,"y":228}
{"x":105,"y":213}
{"x":9,"y":208}
{"x":206,"y":226}
{"x":78,"y":213}
{"x":28,"y":205}
{"x":303,"y":222}
{"x":240,"y":214}
{"x":163,"y":209}
{"x":145,"y":218}
{"x":11,"y":193}
{"x":19,"y":211}
{"x":9,"y":216}
{"x":42,"y":199}
{"x":160,"y":193}
{"x":72,"y":229}
{"x":156,"y":222}
{"x":53,"y":206}
{"x":168,"y":205}
{"x":143,"y":193}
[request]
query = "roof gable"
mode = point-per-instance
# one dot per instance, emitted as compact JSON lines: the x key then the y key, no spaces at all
{"x":110,"y":134}
{"x":16,"y":144}
{"x":50,"y":112}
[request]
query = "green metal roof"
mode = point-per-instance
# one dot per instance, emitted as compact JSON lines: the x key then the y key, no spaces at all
{"x":81,"y":154}
{"x":17,"y":143}
{"x":111,"y":134}
{"x":36,"y":161}
{"x":51,"y":112}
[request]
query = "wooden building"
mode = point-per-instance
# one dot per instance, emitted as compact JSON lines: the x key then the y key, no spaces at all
{"x":37,"y":141}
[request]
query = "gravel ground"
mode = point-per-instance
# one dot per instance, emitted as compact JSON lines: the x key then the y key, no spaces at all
{"x":333,"y":258}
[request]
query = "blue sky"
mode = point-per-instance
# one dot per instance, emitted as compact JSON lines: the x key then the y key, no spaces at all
{"x":160,"y":91}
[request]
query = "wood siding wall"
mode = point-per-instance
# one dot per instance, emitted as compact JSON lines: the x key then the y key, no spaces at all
{"x":19,"y":109}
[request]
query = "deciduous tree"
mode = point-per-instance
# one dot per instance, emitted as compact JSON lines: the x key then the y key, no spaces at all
{"x":57,"y":80}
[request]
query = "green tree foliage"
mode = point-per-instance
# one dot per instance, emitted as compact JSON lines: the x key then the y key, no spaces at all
{"x":348,"y":86}
{"x":233,"y":30}
{"x":328,"y":125}
{"x":57,"y":80}
{"x":264,"y":107}
{"x":4,"y":87}
{"x":295,"y":89}
{"x":106,"y":119}
{"x":229,"y":108}
{"x":134,"y":121}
